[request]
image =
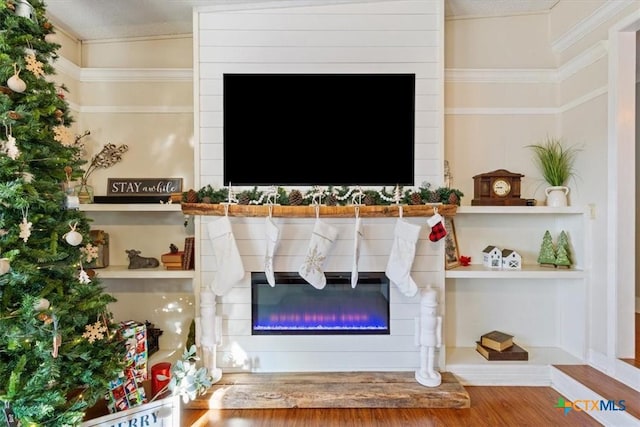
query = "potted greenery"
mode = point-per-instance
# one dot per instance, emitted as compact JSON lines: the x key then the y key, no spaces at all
{"x":556,"y":163}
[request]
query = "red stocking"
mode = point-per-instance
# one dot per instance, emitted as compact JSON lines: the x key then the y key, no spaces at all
{"x":437,"y":228}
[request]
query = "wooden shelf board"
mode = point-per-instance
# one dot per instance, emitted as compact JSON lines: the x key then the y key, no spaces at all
{"x":528,"y":271}
{"x":349,"y":211}
{"x":459,"y":356}
{"x":510,"y":210}
{"x":123,"y":272}
{"x":131,"y":207}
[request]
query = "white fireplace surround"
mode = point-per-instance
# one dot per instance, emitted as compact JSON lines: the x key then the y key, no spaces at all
{"x":386,"y":37}
{"x":239,"y":350}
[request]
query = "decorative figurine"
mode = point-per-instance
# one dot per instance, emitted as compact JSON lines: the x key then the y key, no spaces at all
{"x":136,"y":261}
{"x":428,"y":337}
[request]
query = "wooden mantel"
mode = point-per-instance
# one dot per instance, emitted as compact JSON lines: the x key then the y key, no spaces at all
{"x":377,"y":211}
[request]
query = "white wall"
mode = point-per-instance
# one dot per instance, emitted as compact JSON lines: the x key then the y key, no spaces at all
{"x":387,"y":37}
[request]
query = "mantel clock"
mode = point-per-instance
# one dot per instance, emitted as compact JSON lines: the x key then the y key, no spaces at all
{"x":497,"y":188}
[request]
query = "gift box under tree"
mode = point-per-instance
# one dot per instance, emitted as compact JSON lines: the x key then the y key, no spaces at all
{"x":126,"y":391}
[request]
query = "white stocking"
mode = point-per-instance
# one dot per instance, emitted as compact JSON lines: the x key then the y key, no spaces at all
{"x":272,"y":234}
{"x":357,"y":236}
{"x":402,"y":254}
{"x":230,"y":268}
{"x":321,"y":241}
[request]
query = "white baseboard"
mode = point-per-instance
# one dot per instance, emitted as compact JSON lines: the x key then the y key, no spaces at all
{"x":503,"y":375}
{"x":628,"y":375}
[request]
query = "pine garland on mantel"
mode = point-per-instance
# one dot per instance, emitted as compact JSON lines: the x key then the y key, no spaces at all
{"x":330,"y":196}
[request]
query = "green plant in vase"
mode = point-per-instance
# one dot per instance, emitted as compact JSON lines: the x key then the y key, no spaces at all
{"x":557,"y":165}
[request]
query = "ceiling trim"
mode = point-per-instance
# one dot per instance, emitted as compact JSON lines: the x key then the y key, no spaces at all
{"x":599,"y":16}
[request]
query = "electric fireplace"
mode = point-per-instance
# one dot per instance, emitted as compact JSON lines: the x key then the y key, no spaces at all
{"x":294,"y":307}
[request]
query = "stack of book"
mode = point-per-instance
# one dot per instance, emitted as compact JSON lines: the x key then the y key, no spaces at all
{"x":497,"y":345}
{"x":172,"y":260}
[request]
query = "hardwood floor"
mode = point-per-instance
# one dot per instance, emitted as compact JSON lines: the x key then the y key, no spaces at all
{"x":490,"y":407}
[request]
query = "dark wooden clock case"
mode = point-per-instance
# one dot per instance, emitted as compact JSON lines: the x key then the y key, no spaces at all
{"x":483,"y":194}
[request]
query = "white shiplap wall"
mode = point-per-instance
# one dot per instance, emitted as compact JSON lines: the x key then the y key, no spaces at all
{"x":385,"y":37}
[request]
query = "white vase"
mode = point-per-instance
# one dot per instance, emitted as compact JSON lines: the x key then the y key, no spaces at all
{"x":557,"y":196}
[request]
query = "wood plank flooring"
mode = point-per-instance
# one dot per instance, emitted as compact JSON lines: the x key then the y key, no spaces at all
{"x":490,"y":407}
{"x":605,"y":386}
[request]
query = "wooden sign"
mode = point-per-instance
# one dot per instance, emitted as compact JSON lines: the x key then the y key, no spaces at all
{"x":143,"y":186}
{"x":159,"y":413}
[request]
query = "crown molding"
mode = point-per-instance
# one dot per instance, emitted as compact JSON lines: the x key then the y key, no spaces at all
{"x":601,"y":15}
{"x":534,"y":75}
{"x":64,"y":66}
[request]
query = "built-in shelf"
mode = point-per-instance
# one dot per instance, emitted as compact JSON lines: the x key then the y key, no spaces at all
{"x":470,"y":367}
{"x":311,"y":211}
{"x":123,"y":272}
{"x":130,"y":207}
{"x":511,"y":210}
{"x":476,"y":271}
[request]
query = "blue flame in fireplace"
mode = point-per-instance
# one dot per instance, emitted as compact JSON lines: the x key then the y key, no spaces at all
{"x":293,"y":306}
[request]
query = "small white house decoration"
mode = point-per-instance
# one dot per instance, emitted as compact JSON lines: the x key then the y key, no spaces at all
{"x":492,"y":257}
{"x":511,"y":260}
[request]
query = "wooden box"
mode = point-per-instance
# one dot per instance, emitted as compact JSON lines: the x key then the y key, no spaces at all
{"x":159,"y":413}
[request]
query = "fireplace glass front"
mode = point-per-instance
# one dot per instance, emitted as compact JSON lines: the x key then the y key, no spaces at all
{"x":295,"y":307}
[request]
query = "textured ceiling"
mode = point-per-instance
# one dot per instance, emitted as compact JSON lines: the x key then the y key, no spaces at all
{"x":110,"y":19}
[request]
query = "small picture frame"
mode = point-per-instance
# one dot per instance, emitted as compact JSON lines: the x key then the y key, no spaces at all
{"x":451,"y":251}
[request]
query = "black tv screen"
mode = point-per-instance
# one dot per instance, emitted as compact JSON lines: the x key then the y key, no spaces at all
{"x":319,"y":129}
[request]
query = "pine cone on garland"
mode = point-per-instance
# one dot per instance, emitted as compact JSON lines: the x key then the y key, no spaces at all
{"x":453,"y":199}
{"x":368,"y":200}
{"x":192,"y":196}
{"x":434,"y":197}
{"x":243,"y":199}
{"x":415,"y":198}
{"x":295,"y":198}
{"x":331,"y":200}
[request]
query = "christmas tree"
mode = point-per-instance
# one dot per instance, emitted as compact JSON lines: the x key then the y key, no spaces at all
{"x":563,"y":258}
{"x":58,"y":347}
{"x":547,"y":255}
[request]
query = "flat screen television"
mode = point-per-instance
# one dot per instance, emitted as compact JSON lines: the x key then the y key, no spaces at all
{"x":319,"y":129}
